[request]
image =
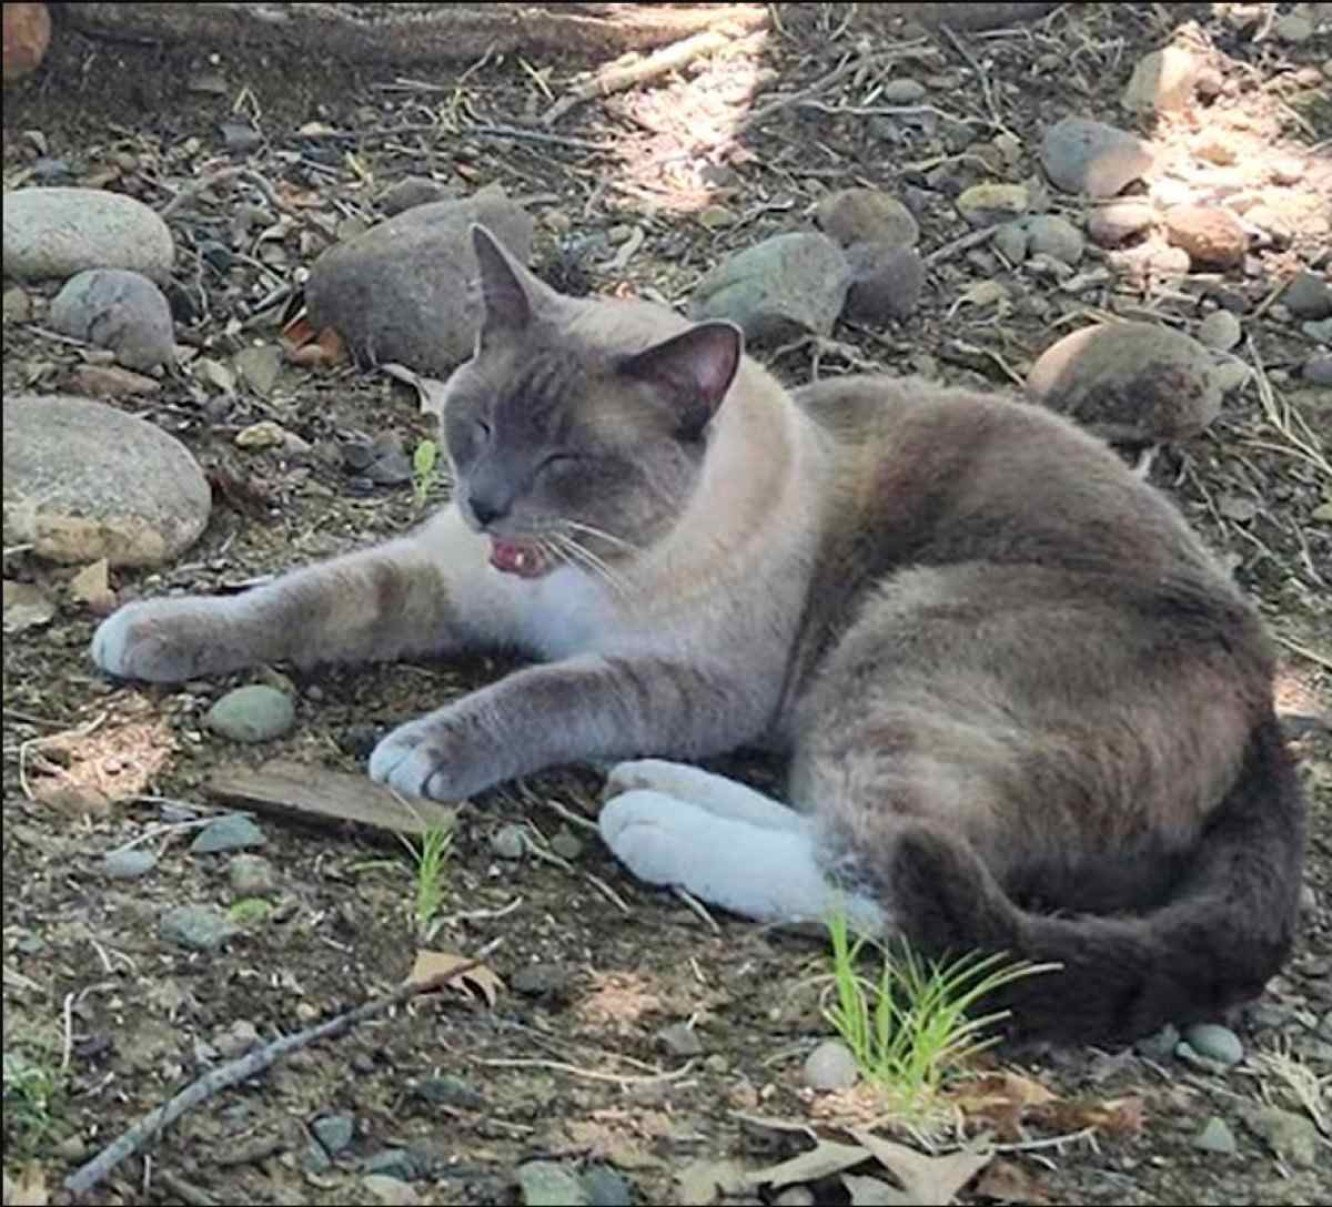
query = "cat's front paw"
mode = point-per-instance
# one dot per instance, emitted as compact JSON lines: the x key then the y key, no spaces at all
{"x":426,"y":758}
{"x":159,"y":640}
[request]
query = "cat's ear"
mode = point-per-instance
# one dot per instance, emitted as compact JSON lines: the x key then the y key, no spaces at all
{"x":693,"y":369}
{"x":506,"y":286}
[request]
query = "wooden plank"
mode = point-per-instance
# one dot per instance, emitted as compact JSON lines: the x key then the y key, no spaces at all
{"x":317,"y":796}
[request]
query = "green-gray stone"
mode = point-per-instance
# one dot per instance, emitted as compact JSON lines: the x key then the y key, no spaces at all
{"x":549,"y":1184}
{"x":197,"y":927}
{"x":257,"y":713}
{"x":234,"y":832}
{"x":1215,"y":1042}
{"x":1215,"y":1137}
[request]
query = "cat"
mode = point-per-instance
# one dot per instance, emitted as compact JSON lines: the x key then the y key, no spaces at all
{"x":1025,"y":711}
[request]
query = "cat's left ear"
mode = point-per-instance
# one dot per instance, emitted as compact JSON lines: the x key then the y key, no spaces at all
{"x":693,"y":369}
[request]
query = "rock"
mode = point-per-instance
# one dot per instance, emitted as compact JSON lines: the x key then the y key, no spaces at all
{"x":1159,"y":1046}
{"x":605,"y":1187}
{"x":550,"y":1184}
{"x":1216,"y":1137}
{"x":334,"y":1132}
{"x":1011,"y":240}
{"x":866,"y":216}
{"x":831,"y":1067}
{"x":26,"y":606}
{"x":886,"y":283}
{"x":315,"y":1159}
{"x":1213,"y":237}
{"x":232,"y":832}
{"x":449,"y":1091}
{"x":1308,"y":296}
{"x":1150,"y":260}
{"x":985,"y":203}
{"x":1129,"y":381}
{"x":1212,"y":1041}
{"x":1115,"y":222}
{"x":27,"y":33}
{"x":1320,"y":331}
{"x":1292,"y":1137}
{"x":109,"y":381}
{"x":240,"y":136}
{"x":1317,"y":370}
{"x":259,"y":367}
{"x":1229,"y":373}
{"x":1083,"y":156}
{"x":17,"y":304}
{"x":1162,"y":82}
{"x":83,"y":481}
{"x":251,"y":876}
{"x":566,"y":844}
{"x":240,"y":1037}
{"x":904,"y":91}
{"x":1220,"y":331}
{"x":266,"y":433}
{"x":1287,"y":170}
{"x":509,"y":842}
{"x":117,"y":309}
{"x":128,"y":865}
{"x":57,"y":232}
{"x":1292,"y":27}
{"x":680,"y":1039}
{"x":391,"y":1191}
{"x":197,"y":927}
{"x":405,"y":289}
{"x":411,"y":191}
{"x":392,"y":1163}
{"x":541,"y":980}
{"x":784,"y":286}
{"x":255,"y":713}
{"x":1050,"y":235}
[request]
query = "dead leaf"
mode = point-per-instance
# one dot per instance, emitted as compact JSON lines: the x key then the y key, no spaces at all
{"x":334,"y":349}
{"x":702,"y":1182}
{"x":825,"y":1158}
{"x":870,"y":1192}
{"x":67,"y":795}
{"x":25,"y":606}
{"x":90,"y":586}
{"x":1010,"y":1183}
{"x":29,"y":1190}
{"x":927,"y":1181}
{"x":297,"y":332}
{"x":1003,"y":1100}
{"x":431,"y":965}
{"x":430,"y":390}
{"x":1111,"y":1117}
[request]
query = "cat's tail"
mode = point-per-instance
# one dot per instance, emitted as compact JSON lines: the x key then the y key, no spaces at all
{"x":1224,"y":932}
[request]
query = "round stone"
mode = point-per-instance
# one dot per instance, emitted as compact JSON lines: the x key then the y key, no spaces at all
{"x":128,"y":865}
{"x":1215,"y":1042}
{"x":1083,"y":156}
{"x":255,"y":713}
{"x":251,"y":876}
{"x":117,"y":309}
{"x":27,"y":35}
{"x":1213,"y":237}
{"x":509,"y":842}
{"x":886,"y":282}
{"x":1317,"y":370}
{"x":1050,"y":235}
{"x":233,"y":832}
{"x":83,"y":481}
{"x":831,"y":1067}
{"x":1115,"y":222}
{"x":1220,"y":330}
{"x":1308,"y":296}
{"x":866,"y":216}
{"x":197,"y":927}
{"x":984,"y":203}
{"x":57,"y":232}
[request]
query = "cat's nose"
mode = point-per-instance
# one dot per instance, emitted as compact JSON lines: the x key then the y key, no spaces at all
{"x":487,"y":511}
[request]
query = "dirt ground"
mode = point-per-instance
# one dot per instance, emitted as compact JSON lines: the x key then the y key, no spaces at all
{"x":642,"y":191}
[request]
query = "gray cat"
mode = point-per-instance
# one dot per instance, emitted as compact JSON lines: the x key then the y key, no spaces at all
{"x":1026,"y":712}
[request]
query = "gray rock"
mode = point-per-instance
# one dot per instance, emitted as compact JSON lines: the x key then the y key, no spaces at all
{"x":542,"y":980}
{"x":315,"y":1159}
{"x":255,"y":713}
{"x":1220,"y":331}
{"x":1317,"y":370}
{"x":259,"y":366}
{"x":1050,"y":235}
{"x":680,"y":1039}
{"x":905,"y":91}
{"x":1216,"y":1137}
{"x":605,"y":1187}
{"x":26,"y":605}
{"x":83,"y":481}
{"x":1011,"y":239}
{"x":1159,"y":1046}
{"x":240,"y":136}
{"x":1212,"y":1041}
{"x":1129,"y":382}
{"x":392,"y":1192}
{"x":121,"y":310}
{"x":1083,"y":156}
{"x":197,"y":927}
{"x":886,"y":283}
{"x":57,"y":232}
{"x":17,"y":305}
{"x":392,"y":1163}
{"x":232,"y":832}
{"x":566,"y":844}
{"x":831,"y":1067}
{"x":866,"y":216}
{"x":1320,"y":331}
{"x":404,"y":290}
{"x":1163,"y":81}
{"x":449,"y":1091}
{"x":1292,"y":1137}
{"x":128,"y":865}
{"x":784,"y":286}
{"x":550,"y":1184}
{"x":1116,"y":222}
{"x":251,"y":876}
{"x":334,"y":1132}
{"x":509,"y":842}
{"x":411,"y":191}
{"x":1308,"y":296}
{"x":1292,"y":27}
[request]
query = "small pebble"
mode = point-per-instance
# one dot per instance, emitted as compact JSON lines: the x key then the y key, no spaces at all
{"x":680,"y":1039}
{"x":905,"y":91}
{"x":234,"y":832}
{"x":1220,"y":330}
{"x":1214,"y":1042}
{"x":1317,"y":369}
{"x":541,"y":980}
{"x":831,"y":1067}
{"x":241,"y":1037}
{"x":449,"y":1091}
{"x":566,"y":844}
{"x":1292,"y":1137}
{"x":334,"y":1132}
{"x":128,"y":865}
{"x":197,"y":927}
{"x":256,"y":713}
{"x":509,"y":842}
{"x":551,"y":1184}
{"x":605,"y":1187}
{"x":1215,"y":1137}
{"x":251,"y":876}
{"x":391,"y":1163}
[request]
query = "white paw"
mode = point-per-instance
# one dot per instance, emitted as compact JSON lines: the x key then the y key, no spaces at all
{"x":160,"y":640}
{"x":405,"y":760}
{"x":715,"y":793}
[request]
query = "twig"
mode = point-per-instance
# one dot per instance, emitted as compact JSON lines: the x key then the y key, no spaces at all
{"x":963,"y":243}
{"x":187,"y":1192}
{"x":242,"y":1069}
{"x":1304,"y":651}
{"x":191,"y":191}
{"x":984,"y":76}
{"x":697,"y":908}
{"x":574,"y":819}
{"x":559,"y":1066}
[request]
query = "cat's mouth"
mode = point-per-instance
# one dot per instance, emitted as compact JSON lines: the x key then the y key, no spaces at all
{"x":522,"y":558}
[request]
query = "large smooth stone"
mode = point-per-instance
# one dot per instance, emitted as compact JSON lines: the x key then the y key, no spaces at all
{"x":56,"y":232}
{"x":83,"y":481}
{"x":1082,"y":156}
{"x":117,"y":309}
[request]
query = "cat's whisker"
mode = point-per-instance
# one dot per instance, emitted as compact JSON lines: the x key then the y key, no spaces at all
{"x":602,"y":534}
{"x":590,"y":562}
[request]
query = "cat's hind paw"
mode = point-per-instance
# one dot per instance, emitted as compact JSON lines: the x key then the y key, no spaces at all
{"x":718,"y":795}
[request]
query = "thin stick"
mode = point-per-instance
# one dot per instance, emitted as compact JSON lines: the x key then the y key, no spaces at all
{"x":559,"y":1066}
{"x":697,"y":908}
{"x":1304,"y":651}
{"x":242,"y":1069}
{"x":964,"y":243}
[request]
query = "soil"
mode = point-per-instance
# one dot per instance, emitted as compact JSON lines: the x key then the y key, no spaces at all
{"x":568,"y":1064}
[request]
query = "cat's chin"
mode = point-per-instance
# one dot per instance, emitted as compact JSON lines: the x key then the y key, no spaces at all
{"x":520,"y":558}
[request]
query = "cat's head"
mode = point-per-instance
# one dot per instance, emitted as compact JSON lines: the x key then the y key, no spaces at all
{"x":566,"y":449}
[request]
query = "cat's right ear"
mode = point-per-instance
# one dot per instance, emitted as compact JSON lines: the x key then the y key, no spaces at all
{"x":694,"y":369}
{"x":505,"y":296}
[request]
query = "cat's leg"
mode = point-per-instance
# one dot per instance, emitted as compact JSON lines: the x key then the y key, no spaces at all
{"x":768,"y":873}
{"x":718,"y":795}
{"x":424,"y":593}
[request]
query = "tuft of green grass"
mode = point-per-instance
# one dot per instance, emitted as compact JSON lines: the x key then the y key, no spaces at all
{"x":31,"y":1090}
{"x":914,"y":1030}
{"x":425,"y":465}
{"x":429,"y":857}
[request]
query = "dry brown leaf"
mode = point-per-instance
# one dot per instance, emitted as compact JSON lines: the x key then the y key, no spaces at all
{"x":927,"y":1181}
{"x":92,"y":587}
{"x":334,"y":349}
{"x":298,"y":332}
{"x":1111,"y":1117}
{"x":29,"y":1189}
{"x":431,"y":965}
{"x":1002,"y":1100}
{"x":429,"y":390}
{"x":825,"y":1158}
{"x":1010,"y":1183}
